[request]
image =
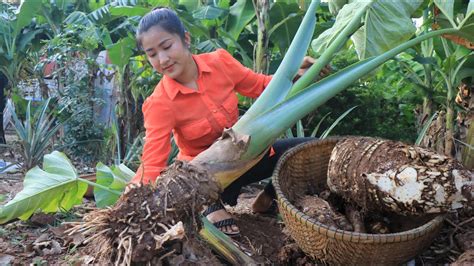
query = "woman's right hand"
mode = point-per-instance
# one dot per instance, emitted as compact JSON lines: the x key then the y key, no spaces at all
{"x":131,"y":186}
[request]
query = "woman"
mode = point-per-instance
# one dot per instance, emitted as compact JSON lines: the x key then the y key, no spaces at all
{"x":195,"y":100}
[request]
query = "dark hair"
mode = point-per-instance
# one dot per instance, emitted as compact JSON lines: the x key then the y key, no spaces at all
{"x":164,"y":17}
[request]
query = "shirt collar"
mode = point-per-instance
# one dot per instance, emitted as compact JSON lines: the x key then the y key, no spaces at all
{"x":172,"y":87}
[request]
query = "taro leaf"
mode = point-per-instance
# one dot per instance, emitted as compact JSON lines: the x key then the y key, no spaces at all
{"x":129,"y":11}
{"x":115,"y":178}
{"x":50,"y":190}
{"x":387,"y":24}
{"x":336,"y":5}
{"x":467,"y":25}
{"x":344,"y":17}
{"x":456,"y":11}
{"x":447,"y":8}
{"x":240,"y":14}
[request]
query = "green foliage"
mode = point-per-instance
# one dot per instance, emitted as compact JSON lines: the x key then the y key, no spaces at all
{"x":74,"y":52}
{"x":56,"y":188}
{"x":115,"y":178}
{"x":300,"y":130}
{"x":379,"y":32}
{"x":17,"y":34}
{"x":386,"y":102}
{"x":35,"y":133}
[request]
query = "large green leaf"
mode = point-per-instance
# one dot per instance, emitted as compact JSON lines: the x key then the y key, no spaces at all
{"x":284,"y":33}
{"x":28,"y":10}
{"x":344,"y":17}
{"x":209,"y":12}
{"x":457,"y":14}
{"x":387,"y":24}
{"x":115,"y":178}
{"x":240,"y":14}
{"x":336,"y":5}
{"x":190,"y":5}
{"x":121,"y":51}
{"x":129,"y":11}
{"x":447,"y":8}
{"x":55,"y":188}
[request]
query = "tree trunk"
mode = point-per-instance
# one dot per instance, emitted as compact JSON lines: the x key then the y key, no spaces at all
{"x":3,"y":86}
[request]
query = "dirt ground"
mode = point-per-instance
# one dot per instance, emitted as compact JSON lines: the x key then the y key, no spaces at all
{"x":41,"y":239}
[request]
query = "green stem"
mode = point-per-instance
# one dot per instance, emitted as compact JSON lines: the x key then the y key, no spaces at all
{"x":283,"y":78}
{"x":328,"y":54}
{"x":223,"y":244}
{"x":99,"y":186}
{"x":265,"y":128}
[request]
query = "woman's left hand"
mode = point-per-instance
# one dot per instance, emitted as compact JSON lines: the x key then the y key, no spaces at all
{"x":308,"y":61}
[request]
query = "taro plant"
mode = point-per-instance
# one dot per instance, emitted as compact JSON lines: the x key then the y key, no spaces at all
{"x":240,"y":147}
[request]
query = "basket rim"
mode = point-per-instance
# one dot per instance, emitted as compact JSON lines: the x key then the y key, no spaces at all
{"x":287,"y":206}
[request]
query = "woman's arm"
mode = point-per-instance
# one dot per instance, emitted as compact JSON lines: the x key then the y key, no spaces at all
{"x":159,"y":121}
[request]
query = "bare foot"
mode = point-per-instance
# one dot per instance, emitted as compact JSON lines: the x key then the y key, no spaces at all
{"x":221,"y":215}
{"x":262,"y":202}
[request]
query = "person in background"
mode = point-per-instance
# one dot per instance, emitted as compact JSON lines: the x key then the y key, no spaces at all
{"x":195,"y":101}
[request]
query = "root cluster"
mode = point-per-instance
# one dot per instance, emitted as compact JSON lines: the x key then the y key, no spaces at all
{"x":148,"y":222}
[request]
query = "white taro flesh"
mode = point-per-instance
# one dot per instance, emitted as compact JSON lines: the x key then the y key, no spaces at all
{"x":387,"y":175}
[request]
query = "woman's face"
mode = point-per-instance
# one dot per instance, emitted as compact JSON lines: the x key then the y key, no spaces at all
{"x":167,"y":52}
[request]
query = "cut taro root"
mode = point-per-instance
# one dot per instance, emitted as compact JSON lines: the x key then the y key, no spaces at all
{"x":386,"y":175}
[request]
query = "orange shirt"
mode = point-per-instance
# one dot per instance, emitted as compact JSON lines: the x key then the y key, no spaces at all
{"x":195,"y":117}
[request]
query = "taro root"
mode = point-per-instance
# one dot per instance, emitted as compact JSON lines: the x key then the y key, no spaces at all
{"x":386,"y":175}
{"x":356,"y":218}
{"x":321,"y":211}
{"x":147,"y":221}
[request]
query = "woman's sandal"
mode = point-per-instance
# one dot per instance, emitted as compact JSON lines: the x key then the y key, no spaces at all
{"x":223,"y":223}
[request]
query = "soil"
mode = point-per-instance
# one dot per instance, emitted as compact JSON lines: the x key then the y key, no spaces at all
{"x":41,"y":239}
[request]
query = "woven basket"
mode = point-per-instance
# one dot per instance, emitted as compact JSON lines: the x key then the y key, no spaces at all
{"x":302,"y":170}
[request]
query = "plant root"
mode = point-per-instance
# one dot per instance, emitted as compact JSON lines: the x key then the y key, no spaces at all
{"x":148,"y":222}
{"x":387,"y":175}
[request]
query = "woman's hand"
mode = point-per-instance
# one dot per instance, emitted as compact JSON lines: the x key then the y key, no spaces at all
{"x":131,"y":186}
{"x":308,"y":61}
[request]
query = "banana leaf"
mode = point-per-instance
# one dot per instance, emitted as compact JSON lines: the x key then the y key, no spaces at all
{"x":55,"y":188}
{"x":115,"y":178}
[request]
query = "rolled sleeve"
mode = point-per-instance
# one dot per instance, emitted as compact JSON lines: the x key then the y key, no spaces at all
{"x":247,"y":82}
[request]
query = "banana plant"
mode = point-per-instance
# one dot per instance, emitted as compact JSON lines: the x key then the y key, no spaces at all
{"x":58,"y":187}
{"x":15,"y":43}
